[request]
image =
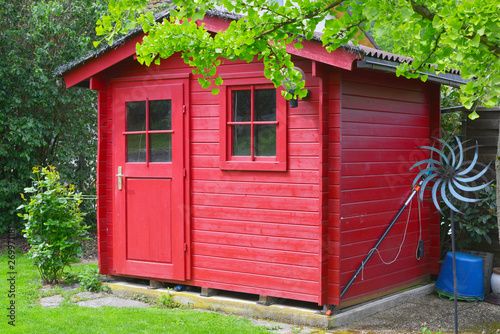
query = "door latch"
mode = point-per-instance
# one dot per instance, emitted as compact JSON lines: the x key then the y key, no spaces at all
{"x":119,"y":175}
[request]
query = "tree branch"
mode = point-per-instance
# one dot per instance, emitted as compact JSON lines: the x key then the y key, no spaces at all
{"x":422,"y":10}
{"x":432,"y":51}
{"x":309,"y":16}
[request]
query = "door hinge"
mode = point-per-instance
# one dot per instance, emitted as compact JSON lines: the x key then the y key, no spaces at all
{"x":185,"y":172}
{"x":184,"y":109}
{"x":185,"y":247}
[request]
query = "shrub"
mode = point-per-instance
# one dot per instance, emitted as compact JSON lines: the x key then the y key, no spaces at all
{"x":53,"y":223}
{"x":476,"y":223}
{"x":42,"y":122}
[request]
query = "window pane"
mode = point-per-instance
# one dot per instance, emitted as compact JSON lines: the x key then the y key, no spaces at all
{"x":160,"y":115}
{"x":265,"y":104}
{"x":136,"y":116}
{"x":242,"y":106}
{"x":136,"y":148}
{"x":265,"y":140}
{"x":241,"y":140}
{"x":161,"y":147}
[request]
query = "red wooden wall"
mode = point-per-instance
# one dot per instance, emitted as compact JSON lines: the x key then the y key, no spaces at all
{"x":254,"y":232}
{"x":298,"y":234}
{"x":376,"y":123}
{"x":104,"y":185}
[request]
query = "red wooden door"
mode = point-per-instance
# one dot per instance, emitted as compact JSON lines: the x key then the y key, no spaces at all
{"x":149,"y":186}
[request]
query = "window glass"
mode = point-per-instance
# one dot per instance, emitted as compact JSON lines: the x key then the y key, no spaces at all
{"x":160,"y":115}
{"x":160,"y":147}
{"x":265,"y":140}
{"x":242,"y":140}
{"x":242,"y":106}
{"x":136,"y":116}
{"x":136,"y":148}
{"x":265,"y":104}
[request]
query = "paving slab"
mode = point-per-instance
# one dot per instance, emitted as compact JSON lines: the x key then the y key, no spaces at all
{"x":111,"y":301}
{"x":87,"y":295}
{"x":283,"y":328}
{"x":52,"y":301}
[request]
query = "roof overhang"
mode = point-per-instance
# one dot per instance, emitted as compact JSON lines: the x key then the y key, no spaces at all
{"x":463,"y":109}
{"x":375,"y":62}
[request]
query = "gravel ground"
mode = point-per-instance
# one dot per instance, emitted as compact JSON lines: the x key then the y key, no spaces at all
{"x":429,"y":311}
{"x":435,"y":314}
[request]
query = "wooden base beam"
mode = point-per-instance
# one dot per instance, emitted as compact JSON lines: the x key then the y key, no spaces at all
{"x":207,"y":292}
{"x":155,"y":284}
{"x":267,"y":300}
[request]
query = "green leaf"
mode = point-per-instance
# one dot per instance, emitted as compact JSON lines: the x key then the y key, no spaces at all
{"x":455,"y":23}
{"x":198,"y":15}
{"x":446,"y":11}
{"x":473,"y":115}
{"x":249,"y":40}
{"x":204,"y":83}
{"x":130,"y":26}
{"x":212,"y":71}
{"x":215,"y":91}
{"x":218,"y":81}
{"x":476,"y":40}
{"x":298,"y":45}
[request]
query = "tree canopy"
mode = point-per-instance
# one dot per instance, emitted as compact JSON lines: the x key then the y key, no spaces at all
{"x":448,"y":34}
{"x":41,"y":122}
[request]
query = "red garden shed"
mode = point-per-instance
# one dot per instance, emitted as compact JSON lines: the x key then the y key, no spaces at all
{"x":240,"y":192}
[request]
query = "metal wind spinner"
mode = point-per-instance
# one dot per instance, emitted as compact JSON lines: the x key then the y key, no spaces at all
{"x":450,"y":174}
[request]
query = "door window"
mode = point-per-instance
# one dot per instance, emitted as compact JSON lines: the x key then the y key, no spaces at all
{"x":149,"y":131}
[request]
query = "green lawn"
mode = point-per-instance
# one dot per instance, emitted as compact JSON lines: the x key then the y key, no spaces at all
{"x":69,"y":318}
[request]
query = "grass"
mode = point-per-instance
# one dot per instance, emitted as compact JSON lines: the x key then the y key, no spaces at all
{"x":70,"y":318}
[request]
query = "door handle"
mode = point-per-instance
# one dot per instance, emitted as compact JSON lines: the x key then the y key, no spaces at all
{"x":119,"y":175}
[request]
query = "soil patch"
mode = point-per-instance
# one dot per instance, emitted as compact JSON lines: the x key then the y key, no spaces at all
{"x":89,"y":247}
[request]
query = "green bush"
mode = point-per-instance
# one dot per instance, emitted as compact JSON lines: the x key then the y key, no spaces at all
{"x":53,"y":223}
{"x":42,"y":122}
{"x":477,"y":221}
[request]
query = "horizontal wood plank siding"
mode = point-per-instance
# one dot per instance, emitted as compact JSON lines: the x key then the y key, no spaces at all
{"x":251,"y":231}
{"x":484,"y":130}
{"x":256,"y":232}
{"x":383,"y":121}
{"x":109,"y":179}
{"x":102,"y":186}
{"x":334,"y":167}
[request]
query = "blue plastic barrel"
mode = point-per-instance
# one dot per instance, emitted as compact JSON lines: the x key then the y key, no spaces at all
{"x":469,"y":277}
